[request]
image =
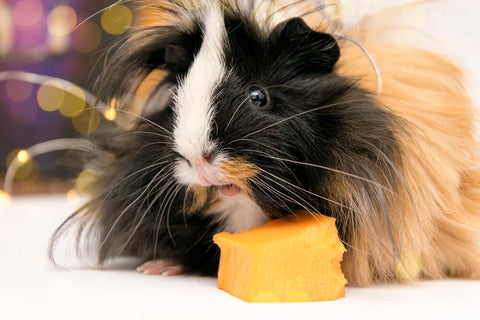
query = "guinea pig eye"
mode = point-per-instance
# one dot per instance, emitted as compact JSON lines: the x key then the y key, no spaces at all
{"x":258,"y":97}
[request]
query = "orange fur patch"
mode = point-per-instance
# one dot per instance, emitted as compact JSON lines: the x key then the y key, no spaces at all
{"x":238,"y":171}
{"x":436,"y":217}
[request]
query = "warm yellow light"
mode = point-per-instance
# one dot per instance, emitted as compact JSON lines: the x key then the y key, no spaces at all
{"x":117,"y":19}
{"x":409,"y":267}
{"x":87,"y":37}
{"x":87,"y":121}
{"x":110,"y":114}
{"x":58,"y":45}
{"x":23,"y":156}
{"x":74,"y":103}
{"x":4,"y":198}
{"x":88,"y":182}
{"x":72,"y":195}
{"x":50,"y":95}
{"x":61,"y":21}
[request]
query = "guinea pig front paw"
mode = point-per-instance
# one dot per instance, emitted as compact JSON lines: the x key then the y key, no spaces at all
{"x":163,"y":267}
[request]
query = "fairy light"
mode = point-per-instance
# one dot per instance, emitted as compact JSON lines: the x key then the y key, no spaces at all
{"x":4,"y":198}
{"x":23,"y":156}
{"x":88,"y":182}
{"x":61,"y":21}
{"x":72,"y":196}
{"x":110,"y":114}
{"x":50,"y":95}
{"x":74,"y":102}
{"x":117,"y":19}
{"x":409,"y":267}
{"x":87,"y":122}
{"x":15,"y":166}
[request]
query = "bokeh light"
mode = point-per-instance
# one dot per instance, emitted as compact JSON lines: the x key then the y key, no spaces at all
{"x":4,"y":198}
{"x":409,"y":267}
{"x":110,"y":114}
{"x":28,"y":167}
{"x":50,"y":95}
{"x":27,"y":13}
{"x":72,"y":196}
{"x":58,"y":45}
{"x":117,"y":19}
{"x":23,"y":156}
{"x":88,"y":182}
{"x":87,"y":121}
{"x":61,"y":21}
{"x":18,"y":91}
{"x":87,"y":37}
{"x":74,"y":102}
{"x":6,"y":30}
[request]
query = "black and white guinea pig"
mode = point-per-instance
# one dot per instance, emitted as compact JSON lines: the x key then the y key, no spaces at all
{"x":254,"y":118}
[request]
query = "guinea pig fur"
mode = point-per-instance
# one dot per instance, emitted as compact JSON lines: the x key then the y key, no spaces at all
{"x":252,"y":117}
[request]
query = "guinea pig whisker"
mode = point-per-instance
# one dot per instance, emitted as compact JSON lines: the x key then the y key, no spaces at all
{"x":302,"y":189}
{"x":264,"y":145}
{"x":125,"y":210}
{"x":281,"y":195}
{"x":269,"y":191}
{"x":169,"y":210}
{"x":297,"y":115}
{"x":268,"y":155}
{"x":155,"y":125}
{"x":282,"y":185}
{"x":336,"y":171}
{"x":141,"y":132}
{"x":154,"y":165}
{"x":145,"y":213}
{"x":162,"y":143}
{"x":169,"y":191}
{"x":98,"y":12}
{"x":235,"y":112}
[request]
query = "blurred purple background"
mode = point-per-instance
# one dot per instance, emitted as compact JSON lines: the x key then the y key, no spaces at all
{"x":38,"y":36}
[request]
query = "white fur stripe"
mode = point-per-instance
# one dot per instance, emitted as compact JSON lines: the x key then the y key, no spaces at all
{"x":193,"y":105}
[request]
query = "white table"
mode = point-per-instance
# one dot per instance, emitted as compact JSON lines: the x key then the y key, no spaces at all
{"x":31,"y":288}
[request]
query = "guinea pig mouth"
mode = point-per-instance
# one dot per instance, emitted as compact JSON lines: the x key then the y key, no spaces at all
{"x":230,"y":190}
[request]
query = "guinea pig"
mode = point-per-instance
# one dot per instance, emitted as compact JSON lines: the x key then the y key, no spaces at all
{"x":255,"y":117}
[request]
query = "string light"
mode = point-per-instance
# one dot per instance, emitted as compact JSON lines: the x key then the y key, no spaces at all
{"x":4,"y":198}
{"x":409,"y":267}
{"x":50,"y":95}
{"x":87,"y":122}
{"x":74,"y":102}
{"x":23,"y":156}
{"x":88,"y":182}
{"x":117,"y":19}
{"x":61,"y":21}
{"x":72,"y":196}
{"x":110,"y":114}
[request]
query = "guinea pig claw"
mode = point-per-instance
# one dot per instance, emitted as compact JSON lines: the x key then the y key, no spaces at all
{"x":163,"y":267}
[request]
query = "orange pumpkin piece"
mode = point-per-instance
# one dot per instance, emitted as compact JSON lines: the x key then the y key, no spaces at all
{"x":294,"y":260}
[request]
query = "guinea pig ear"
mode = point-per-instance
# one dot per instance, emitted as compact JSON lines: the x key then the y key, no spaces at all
{"x":312,"y":51}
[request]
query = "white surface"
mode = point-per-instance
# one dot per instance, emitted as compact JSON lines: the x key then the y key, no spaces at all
{"x":31,"y":288}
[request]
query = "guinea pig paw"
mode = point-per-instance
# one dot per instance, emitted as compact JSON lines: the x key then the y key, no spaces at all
{"x":163,"y":267}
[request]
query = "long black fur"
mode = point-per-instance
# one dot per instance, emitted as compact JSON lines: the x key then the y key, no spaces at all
{"x":312,"y":116}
